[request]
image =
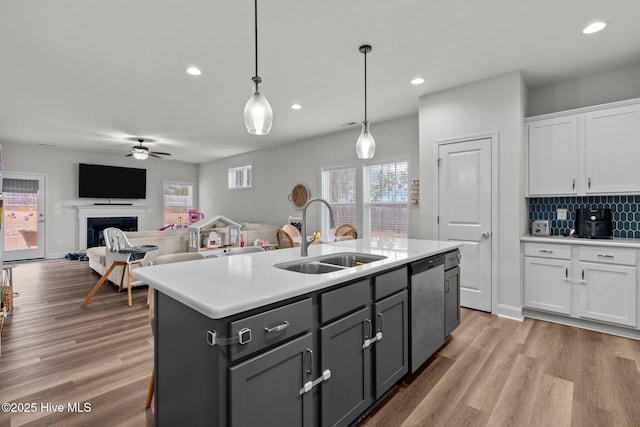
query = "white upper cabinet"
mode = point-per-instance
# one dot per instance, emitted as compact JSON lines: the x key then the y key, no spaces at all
{"x":553,"y":160}
{"x":584,"y":152}
{"x":612,"y":148}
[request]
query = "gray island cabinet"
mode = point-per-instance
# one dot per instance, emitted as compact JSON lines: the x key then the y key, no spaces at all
{"x":324,"y":355}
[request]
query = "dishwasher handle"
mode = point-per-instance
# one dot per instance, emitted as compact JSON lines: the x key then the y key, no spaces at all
{"x":426,"y":264}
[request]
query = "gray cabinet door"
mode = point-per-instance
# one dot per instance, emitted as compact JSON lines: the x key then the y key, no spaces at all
{"x":347,"y":393}
{"x":451,"y":300}
{"x":391,"y":353}
{"x":265,"y":390}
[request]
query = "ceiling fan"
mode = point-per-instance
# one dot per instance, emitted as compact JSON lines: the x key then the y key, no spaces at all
{"x":140,"y":152}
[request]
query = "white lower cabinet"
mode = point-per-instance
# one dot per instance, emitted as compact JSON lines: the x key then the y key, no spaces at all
{"x":583,"y":281}
{"x":607,"y":293}
{"x":547,"y":285}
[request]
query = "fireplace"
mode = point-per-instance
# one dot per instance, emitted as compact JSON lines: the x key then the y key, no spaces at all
{"x":92,"y":219}
{"x":96,"y":225}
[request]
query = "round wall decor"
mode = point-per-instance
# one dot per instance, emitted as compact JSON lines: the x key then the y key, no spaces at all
{"x":299,"y":195}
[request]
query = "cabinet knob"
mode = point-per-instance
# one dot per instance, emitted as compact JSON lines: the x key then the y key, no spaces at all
{"x":485,"y":234}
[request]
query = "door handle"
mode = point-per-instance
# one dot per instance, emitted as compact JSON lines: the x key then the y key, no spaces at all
{"x":485,"y":234}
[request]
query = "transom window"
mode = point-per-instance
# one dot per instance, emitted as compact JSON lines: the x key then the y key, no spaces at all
{"x":240,"y":177}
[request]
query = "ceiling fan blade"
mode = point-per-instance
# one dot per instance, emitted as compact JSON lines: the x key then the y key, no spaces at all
{"x":160,"y":153}
{"x":128,"y":155}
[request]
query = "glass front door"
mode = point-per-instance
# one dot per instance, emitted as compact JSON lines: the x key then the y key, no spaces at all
{"x":23,"y":216}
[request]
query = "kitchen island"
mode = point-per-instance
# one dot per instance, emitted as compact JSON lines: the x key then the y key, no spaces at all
{"x":239,"y":341}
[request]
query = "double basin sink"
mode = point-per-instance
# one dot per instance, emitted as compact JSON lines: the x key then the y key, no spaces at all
{"x":329,"y":263}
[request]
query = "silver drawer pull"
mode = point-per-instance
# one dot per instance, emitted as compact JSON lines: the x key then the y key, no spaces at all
{"x":546,"y":251}
{"x":281,"y":327}
{"x":311,"y":384}
{"x":605,"y":256}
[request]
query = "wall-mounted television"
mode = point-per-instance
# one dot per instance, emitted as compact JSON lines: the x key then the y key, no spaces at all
{"x":111,"y":182}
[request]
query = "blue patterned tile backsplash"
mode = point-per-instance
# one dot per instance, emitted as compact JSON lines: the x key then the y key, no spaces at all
{"x":625,"y":211}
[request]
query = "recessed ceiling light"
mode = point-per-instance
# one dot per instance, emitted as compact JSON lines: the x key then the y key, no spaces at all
{"x":296,"y":106}
{"x":194,"y":71}
{"x":594,"y":27}
{"x":417,"y":81}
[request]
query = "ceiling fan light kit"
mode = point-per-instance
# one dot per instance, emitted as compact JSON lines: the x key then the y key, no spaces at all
{"x":140,"y":152}
{"x":258,"y":115}
{"x":365,"y":145}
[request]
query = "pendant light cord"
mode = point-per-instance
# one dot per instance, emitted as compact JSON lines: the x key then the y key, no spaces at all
{"x":365,"y":85}
{"x":256,"y":32}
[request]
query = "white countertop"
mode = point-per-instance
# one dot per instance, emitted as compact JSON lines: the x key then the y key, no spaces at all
{"x":220,"y":287}
{"x":616,"y":241}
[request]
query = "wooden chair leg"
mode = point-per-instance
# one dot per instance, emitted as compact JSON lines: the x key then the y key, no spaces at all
{"x":129,"y":280}
{"x":129,"y":284}
{"x":124,"y":270}
{"x":151,"y":387}
{"x":97,"y":286}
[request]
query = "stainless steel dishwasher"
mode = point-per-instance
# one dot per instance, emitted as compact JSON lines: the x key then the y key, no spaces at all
{"x":427,"y":309}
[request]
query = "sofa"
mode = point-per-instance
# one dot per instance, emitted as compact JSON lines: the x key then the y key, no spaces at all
{"x":170,"y":242}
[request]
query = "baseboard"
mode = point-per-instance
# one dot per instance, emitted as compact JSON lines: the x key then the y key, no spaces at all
{"x":509,"y":311}
{"x":584,"y":324}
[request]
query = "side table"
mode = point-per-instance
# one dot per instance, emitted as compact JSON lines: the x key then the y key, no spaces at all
{"x":7,"y":287}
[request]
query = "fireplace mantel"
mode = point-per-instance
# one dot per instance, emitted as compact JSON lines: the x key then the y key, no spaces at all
{"x":105,"y":211}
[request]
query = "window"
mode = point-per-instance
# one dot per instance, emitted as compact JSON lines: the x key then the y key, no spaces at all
{"x":374,"y":197}
{"x":178,"y":200}
{"x":386,"y":199}
{"x":339,"y":189}
{"x":240,"y":177}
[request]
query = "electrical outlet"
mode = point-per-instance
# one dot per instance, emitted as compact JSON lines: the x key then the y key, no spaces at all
{"x":562,"y":214}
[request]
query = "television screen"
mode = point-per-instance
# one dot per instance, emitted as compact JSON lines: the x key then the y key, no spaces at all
{"x":112,"y":182}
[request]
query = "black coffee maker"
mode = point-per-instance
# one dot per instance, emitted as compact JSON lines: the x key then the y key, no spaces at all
{"x":594,"y":223}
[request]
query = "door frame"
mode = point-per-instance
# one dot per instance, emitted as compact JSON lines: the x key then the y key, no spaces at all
{"x":45,"y":199}
{"x":494,"y":141}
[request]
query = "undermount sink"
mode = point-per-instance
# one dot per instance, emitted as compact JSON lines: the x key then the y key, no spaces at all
{"x":329,"y":263}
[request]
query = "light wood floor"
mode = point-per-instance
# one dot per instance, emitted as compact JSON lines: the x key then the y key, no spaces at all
{"x":493,"y":371}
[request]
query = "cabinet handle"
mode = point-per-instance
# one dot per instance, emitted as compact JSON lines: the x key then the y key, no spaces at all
{"x":381,"y":326}
{"x":583,"y":275}
{"x":546,"y":251}
{"x":589,"y":182}
{"x":566,"y":272}
{"x":281,"y":327}
{"x":310,"y":368}
{"x":368,"y":341}
{"x":573,"y":184}
{"x":447,"y":287}
{"x":605,"y":256}
{"x":311,"y":384}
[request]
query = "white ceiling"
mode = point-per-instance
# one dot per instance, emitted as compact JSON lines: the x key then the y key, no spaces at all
{"x":92,"y":74}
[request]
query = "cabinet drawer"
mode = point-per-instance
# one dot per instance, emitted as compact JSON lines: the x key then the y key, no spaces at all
{"x":608,"y":255}
{"x":343,"y":300}
{"x":271,"y":327}
{"x":547,"y":250}
{"x":390,"y":283}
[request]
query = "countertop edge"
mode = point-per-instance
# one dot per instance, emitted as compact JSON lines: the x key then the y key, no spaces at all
{"x":566,"y":240}
{"x":222,"y":311}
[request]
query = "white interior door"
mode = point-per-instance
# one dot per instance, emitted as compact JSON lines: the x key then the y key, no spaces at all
{"x":464,"y":214}
{"x":23,"y":215}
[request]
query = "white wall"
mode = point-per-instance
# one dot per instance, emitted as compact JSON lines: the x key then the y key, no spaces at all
{"x":596,"y":89}
{"x":61,"y":168}
{"x":277,"y":170}
{"x":495,"y":104}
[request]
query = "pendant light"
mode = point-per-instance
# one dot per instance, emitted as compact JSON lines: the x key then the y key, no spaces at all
{"x":366,"y":145}
{"x":258,"y":115}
